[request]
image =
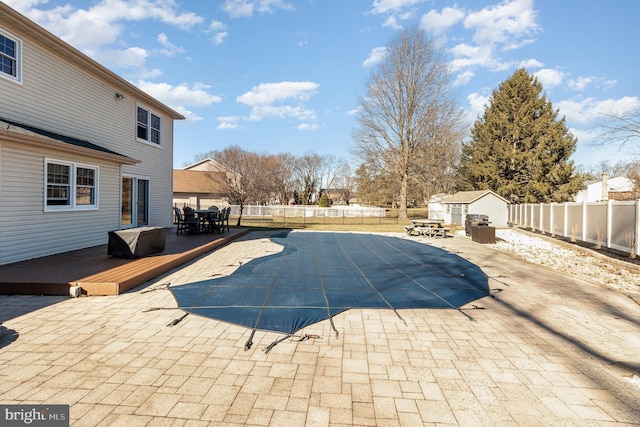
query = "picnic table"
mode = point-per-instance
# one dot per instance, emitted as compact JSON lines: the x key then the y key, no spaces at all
{"x":429,"y":227}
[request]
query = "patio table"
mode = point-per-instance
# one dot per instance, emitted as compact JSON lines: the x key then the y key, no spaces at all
{"x":208,"y":220}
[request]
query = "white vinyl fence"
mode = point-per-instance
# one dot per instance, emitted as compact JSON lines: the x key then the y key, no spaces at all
{"x":302,"y":211}
{"x":612,"y":224}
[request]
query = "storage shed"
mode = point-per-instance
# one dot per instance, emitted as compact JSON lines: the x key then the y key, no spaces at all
{"x":484,"y":202}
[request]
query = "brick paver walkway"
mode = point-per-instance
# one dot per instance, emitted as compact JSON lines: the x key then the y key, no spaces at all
{"x":547,"y":350}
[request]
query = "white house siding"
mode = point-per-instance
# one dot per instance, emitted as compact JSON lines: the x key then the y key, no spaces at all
{"x":156,"y":161}
{"x":77,"y":100}
{"x":26,"y":230}
{"x":63,"y":98}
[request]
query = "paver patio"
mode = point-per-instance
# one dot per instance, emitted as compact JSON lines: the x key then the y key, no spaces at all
{"x":546,"y":350}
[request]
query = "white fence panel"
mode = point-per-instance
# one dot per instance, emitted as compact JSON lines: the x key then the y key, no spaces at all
{"x":612,"y":224}
{"x":299,"y":211}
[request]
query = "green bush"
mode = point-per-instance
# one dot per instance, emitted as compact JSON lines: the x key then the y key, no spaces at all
{"x":324,"y":201}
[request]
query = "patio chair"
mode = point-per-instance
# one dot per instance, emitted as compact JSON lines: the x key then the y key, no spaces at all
{"x":181,"y":224}
{"x":224,"y":218}
{"x":192,"y":225}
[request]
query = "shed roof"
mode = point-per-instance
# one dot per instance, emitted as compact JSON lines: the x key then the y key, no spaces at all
{"x":471,"y":196}
{"x":202,"y":182}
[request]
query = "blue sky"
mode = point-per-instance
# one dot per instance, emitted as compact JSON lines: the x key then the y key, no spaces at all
{"x":282,"y":76}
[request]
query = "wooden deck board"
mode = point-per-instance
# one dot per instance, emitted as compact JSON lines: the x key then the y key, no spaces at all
{"x":100,"y":274}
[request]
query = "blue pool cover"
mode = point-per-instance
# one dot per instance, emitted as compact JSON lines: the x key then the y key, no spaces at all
{"x":320,"y":274}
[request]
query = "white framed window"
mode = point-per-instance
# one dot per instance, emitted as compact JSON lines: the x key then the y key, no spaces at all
{"x":70,"y":186}
{"x":10,"y":57}
{"x":149,"y":126}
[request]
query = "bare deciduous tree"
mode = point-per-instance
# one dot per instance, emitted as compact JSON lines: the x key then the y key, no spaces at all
{"x":243,"y":184}
{"x":409,"y":117}
{"x":306,"y":173}
{"x":619,"y":128}
{"x":344,"y":184}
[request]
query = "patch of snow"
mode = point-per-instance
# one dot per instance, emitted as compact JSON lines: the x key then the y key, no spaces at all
{"x":570,"y":261}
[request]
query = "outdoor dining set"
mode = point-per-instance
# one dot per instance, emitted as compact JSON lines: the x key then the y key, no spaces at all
{"x":197,"y":221}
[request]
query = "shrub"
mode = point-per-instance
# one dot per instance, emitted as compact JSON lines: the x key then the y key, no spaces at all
{"x":324,"y":201}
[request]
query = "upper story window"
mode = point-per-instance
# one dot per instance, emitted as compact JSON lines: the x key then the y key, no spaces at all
{"x":70,"y":186}
{"x":149,"y":126}
{"x":10,"y":57}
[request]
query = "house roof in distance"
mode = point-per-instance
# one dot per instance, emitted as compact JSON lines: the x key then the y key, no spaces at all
{"x":197,"y":181}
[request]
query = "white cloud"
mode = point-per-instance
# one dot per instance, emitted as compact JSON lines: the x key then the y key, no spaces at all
{"x":180,"y":97}
{"x":477,"y":104}
{"x":133,"y":57}
{"x":392,"y":22}
{"x":246,"y":8}
{"x":308,"y":126}
{"x":590,"y":110}
{"x":386,"y":6}
{"x":580,"y":83}
{"x":274,"y":99}
{"x":268,"y":93}
{"x":463,"y":78}
{"x":219,"y":38}
{"x":228,"y":122}
{"x":498,"y":28}
{"x":376,"y":55}
{"x":437,"y":23}
{"x":530,"y":63}
{"x":550,"y":77}
{"x":503,"y":22}
{"x":93,"y":29}
{"x":219,"y":31}
{"x":169,"y":48}
{"x":260,"y":112}
{"x":468,"y":56}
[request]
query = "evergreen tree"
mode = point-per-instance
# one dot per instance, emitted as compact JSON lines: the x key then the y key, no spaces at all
{"x":519,"y":148}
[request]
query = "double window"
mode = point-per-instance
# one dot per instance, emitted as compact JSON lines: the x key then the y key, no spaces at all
{"x":70,"y":186}
{"x":10,"y":57}
{"x":149,"y":126}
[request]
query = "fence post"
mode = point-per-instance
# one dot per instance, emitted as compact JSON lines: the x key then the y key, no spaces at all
{"x":566,"y":220}
{"x":637,"y":236}
{"x":609,"y":221}
{"x":584,"y":221}
{"x":541,"y":227}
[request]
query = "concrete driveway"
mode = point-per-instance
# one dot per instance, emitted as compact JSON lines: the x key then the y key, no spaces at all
{"x":546,"y":349}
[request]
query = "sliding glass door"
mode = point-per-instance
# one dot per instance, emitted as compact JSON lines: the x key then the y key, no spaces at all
{"x":135,"y":201}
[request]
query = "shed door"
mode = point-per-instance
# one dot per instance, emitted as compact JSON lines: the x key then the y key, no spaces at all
{"x":456,"y":215}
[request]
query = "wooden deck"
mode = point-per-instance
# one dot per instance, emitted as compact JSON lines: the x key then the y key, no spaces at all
{"x":100,"y":274}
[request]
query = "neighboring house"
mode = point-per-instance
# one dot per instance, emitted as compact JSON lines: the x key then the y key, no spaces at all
{"x":618,"y":188}
{"x":199,"y":189}
{"x":82,"y":151}
{"x":484,"y":202}
{"x":201,"y":185}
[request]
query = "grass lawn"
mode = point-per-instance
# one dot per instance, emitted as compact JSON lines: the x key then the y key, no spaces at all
{"x":389,"y":223}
